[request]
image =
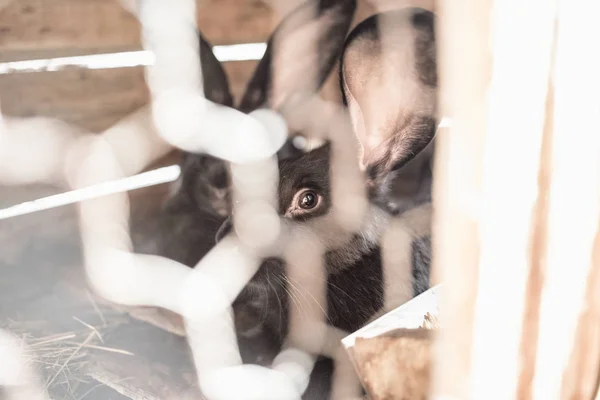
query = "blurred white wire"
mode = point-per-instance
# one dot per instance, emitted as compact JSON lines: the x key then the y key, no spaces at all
{"x":150,"y":178}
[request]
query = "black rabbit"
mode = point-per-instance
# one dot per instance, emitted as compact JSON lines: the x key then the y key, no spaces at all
{"x":398,"y":168}
{"x":391,"y":97}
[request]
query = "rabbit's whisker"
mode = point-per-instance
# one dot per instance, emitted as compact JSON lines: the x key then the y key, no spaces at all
{"x":278,"y":301}
{"x":295,"y":300}
{"x":304,"y":294}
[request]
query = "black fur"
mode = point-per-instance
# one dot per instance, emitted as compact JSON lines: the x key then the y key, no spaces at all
{"x":408,"y":184}
{"x":354,"y":284}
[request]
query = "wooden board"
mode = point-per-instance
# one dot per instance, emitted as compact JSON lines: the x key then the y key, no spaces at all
{"x":65,"y":26}
{"x":55,"y":24}
{"x":92,"y":99}
{"x":74,"y":27}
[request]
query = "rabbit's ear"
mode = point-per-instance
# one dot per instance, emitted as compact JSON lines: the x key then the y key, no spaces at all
{"x":300,"y":53}
{"x":388,"y":77}
{"x":216,"y":85}
{"x":214,"y":78}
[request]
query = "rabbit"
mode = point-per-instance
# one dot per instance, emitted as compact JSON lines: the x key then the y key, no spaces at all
{"x":397,"y":164}
{"x":398,"y":169}
{"x":201,"y":197}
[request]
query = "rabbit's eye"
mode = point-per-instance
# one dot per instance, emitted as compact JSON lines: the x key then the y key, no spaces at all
{"x":308,"y":200}
{"x":306,"y":203}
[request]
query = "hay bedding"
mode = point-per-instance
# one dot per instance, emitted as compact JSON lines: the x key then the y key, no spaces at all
{"x":81,"y":347}
{"x":126,"y":359}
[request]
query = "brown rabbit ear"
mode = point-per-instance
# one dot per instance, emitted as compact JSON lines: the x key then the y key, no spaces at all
{"x":216,"y":85}
{"x":291,"y":62}
{"x":389,"y":82}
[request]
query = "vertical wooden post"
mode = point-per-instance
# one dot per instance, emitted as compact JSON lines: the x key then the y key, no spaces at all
{"x":457,"y":183}
{"x":568,"y":342}
{"x":517,"y":200}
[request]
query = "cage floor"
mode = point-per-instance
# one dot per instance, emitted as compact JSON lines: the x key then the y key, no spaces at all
{"x":81,"y":346}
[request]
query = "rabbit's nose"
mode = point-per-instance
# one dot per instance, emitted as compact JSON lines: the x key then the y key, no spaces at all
{"x":224,"y":229}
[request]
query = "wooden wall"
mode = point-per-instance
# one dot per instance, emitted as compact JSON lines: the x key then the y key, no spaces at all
{"x":103,"y":24}
{"x":96,"y":99}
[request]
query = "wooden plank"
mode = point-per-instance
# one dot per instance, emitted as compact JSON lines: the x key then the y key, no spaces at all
{"x":546,"y":253}
{"x":92,"y":99}
{"x":65,"y":25}
{"x":236,"y":21}
{"x":52,"y":28}
{"x":457,"y":185}
{"x":38,"y":24}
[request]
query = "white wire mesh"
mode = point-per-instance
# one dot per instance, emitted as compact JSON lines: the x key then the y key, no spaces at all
{"x":182,"y":117}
